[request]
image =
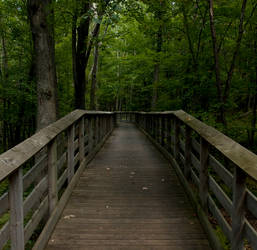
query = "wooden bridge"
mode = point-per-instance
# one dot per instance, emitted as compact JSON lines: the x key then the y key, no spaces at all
{"x":128,"y":180}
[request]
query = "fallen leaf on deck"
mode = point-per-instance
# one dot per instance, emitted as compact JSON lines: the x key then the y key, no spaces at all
{"x":69,"y":216}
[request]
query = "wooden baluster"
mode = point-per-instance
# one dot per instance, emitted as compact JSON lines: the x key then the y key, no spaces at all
{"x":238,"y":212}
{"x":98,"y":129}
{"x":81,"y":140}
{"x":105,"y":125}
{"x":71,"y":135}
{"x":102,"y":127}
{"x":147,"y":124}
{"x":113,"y":121}
{"x":163,"y":131}
{"x":188,"y":148}
{"x":176,"y":138}
{"x":52,"y":176}
{"x":94,"y":130}
{"x":90,"y":136}
{"x":204,"y":160}
{"x":110,"y":123}
{"x":152,"y":126}
{"x":169,"y":134}
{"x":16,"y":210}
{"x":157,"y":128}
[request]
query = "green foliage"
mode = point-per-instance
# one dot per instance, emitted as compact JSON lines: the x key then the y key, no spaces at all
{"x":223,"y":240}
{"x":128,"y":55}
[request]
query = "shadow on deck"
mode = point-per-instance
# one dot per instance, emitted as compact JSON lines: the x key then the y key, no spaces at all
{"x":128,"y":197}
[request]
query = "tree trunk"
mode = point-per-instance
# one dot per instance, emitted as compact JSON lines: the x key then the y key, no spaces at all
{"x":221,"y":116}
{"x":236,"y":51}
{"x":41,"y":18}
{"x":94,"y":78}
{"x":5,"y":78}
{"x":79,"y":42}
{"x":190,"y":44}
{"x":223,"y":96}
{"x":251,"y":133}
{"x":157,"y":68}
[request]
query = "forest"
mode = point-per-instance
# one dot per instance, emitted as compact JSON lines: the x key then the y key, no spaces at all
{"x":148,"y":55}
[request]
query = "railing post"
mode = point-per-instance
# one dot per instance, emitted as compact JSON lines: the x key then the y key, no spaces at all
{"x":157,"y":128}
{"x":104,"y":125}
{"x":169,"y":133}
{"x":238,"y":212}
{"x":52,"y":176}
{"x":114,"y":120}
{"x":98,"y":129}
{"x":152,"y":126}
{"x":188,"y":148}
{"x":162,"y":119}
{"x":81,"y":140}
{"x":94,"y":130}
{"x":176,"y":138}
{"x":109,"y":123}
{"x":16,"y":210}
{"x":71,"y":135}
{"x":90,"y":136}
{"x":204,"y":160}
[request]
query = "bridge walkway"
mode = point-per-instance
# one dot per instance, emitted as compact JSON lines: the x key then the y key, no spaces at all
{"x":128,"y":198}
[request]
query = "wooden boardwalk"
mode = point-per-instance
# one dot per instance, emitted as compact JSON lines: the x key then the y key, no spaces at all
{"x":128,"y":198}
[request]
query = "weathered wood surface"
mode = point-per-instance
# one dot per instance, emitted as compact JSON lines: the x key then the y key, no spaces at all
{"x":12,"y":159}
{"x":128,"y":198}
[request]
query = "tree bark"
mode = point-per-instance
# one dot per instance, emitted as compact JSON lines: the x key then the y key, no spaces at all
{"x":157,"y":68}
{"x":221,"y":117}
{"x":41,"y":18}
{"x":94,"y":78}
{"x":4,"y":77}
{"x":251,"y":133}
{"x":79,"y":45}
{"x":81,"y":49}
{"x":235,"y":54}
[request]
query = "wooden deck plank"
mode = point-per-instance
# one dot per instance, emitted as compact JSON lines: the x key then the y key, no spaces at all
{"x":128,"y":198}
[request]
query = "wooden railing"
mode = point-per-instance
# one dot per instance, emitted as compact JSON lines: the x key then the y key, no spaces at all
{"x":38,"y":175}
{"x":219,"y":175}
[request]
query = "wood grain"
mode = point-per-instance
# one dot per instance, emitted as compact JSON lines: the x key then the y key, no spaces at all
{"x":128,"y":198}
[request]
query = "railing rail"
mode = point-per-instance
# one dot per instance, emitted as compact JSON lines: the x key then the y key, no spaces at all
{"x":219,"y":174}
{"x":38,"y":175}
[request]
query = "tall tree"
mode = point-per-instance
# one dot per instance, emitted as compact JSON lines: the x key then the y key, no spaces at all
{"x":82,"y":43}
{"x":223,"y":92}
{"x":41,"y":18}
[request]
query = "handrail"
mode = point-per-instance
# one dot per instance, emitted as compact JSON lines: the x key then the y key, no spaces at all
{"x":53,"y":160}
{"x":239,"y":155}
{"x":219,"y":190}
{"x":12,"y":159}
